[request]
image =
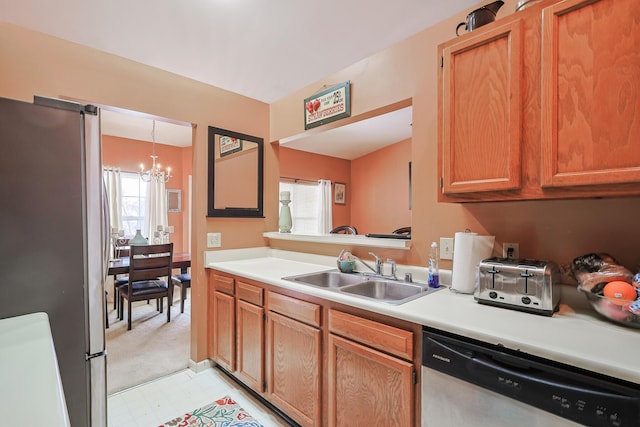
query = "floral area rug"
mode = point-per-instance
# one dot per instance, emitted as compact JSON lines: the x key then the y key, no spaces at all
{"x":224,"y":412}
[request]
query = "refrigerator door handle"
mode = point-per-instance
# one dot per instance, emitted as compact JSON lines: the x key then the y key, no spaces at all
{"x":106,"y":229}
{"x":102,"y":353}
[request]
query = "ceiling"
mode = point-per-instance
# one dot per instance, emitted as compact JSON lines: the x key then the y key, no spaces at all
{"x":357,"y":139}
{"x":261,"y":49}
{"x":135,"y":126}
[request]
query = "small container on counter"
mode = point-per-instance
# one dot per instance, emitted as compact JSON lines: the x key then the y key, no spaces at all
{"x":434,"y":269}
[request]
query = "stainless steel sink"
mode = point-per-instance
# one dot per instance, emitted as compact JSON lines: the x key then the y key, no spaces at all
{"x":364,"y":286}
{"x":387,"y":291}
{"x":327,"y":279}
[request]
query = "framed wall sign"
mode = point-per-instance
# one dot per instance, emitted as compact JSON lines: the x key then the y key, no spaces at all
{"x":339,"y":193}
{"x":174,"y":200}
{"x":327,"y":106}
{"x":229,"y":145}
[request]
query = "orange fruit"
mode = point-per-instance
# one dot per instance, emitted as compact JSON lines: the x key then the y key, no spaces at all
{"x":620,"y":292}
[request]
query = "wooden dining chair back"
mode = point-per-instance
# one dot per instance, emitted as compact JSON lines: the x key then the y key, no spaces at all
{"x":403,"y":230}
{"x":149,"y":278}
{"x":121,"y":249}
{"x":344,"y":229}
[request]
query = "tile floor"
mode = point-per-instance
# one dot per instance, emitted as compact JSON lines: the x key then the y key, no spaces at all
{"x":153,"y":403}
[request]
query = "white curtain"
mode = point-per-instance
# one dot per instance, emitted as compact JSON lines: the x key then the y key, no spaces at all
{"x":325,"y":217}
{"x":156,"y":208}
{"x":111,"y":177}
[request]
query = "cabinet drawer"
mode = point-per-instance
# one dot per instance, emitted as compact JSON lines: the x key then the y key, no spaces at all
{"x":294,"y":308}
{"x":250,"y":293}
{"x":223,"y":284}
{"x":374,"y":334}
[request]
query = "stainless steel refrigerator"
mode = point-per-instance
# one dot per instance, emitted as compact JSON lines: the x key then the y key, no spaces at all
{"x":53,"y":239}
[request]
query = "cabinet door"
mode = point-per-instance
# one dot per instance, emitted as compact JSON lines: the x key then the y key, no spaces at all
{"x":294,"y":368}
{"x":368,"y":386}
{"x":482,"y":111}
{"x":224,"y":330}
{"x":250,"y":345}
{"x":591,"y":93}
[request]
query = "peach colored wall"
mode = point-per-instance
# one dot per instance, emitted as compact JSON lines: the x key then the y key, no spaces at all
{"x":367,"y":179}
{"x":238,"y":193}
{"x":36,"y":64}
{"x":381,"y":177}
{"x":311,"y":166}
{"x":127,"y":154}
{"x":557,"y":230}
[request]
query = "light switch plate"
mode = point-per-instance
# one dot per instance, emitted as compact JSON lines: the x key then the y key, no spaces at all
{"x":214,"y":240}
{"x":446,"y":248}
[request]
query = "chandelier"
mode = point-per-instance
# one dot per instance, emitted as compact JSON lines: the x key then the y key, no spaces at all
{"x":155,"y":173}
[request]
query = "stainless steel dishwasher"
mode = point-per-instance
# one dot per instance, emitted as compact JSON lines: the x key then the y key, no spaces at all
{"x":469,"y":383}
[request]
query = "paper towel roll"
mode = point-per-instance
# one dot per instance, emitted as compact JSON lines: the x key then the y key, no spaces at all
{"x":468,"y":250}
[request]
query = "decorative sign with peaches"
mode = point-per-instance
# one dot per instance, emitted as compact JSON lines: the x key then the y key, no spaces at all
{"x":327,"y":106}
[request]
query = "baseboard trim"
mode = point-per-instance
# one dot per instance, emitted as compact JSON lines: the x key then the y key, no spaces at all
{"x":200,"y":366}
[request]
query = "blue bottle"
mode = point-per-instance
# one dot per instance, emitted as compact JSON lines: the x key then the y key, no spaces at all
{"x":434,"y":270}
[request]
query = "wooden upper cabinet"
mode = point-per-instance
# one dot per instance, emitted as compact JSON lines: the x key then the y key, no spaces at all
{"x":591,"y":93}
{"x":481,"y":106}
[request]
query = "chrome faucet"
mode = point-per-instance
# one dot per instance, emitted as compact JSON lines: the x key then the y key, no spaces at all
{"x":378,"y":266}
{"x":378,"y":269}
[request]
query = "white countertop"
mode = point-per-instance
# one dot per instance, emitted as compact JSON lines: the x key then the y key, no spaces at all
{"x":31,"y":392}
{"x":575,"y":335}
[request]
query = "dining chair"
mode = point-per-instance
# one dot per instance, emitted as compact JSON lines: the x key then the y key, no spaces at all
{"x":403,"y":230}
{"x":121,"y":249}
{"x":344,"y":229}
{"x":149,"y":275}
{"x":184,"y":281}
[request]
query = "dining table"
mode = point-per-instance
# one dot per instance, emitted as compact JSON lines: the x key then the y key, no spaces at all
{"x":181,"y":260}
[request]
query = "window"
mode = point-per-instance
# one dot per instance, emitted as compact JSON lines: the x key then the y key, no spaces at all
{"x":304,"y":206}
{"x":133,"y":202}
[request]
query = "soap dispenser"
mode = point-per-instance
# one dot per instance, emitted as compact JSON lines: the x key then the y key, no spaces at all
{"x":434,"y":271}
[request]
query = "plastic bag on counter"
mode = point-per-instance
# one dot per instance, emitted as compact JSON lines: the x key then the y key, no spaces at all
{"x":595,"y":268}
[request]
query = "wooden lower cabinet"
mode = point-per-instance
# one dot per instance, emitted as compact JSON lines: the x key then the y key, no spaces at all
{"x":368,"y":380}
{"x":224,"y":348}
{"x":294,"y":368}
{"x":368,"y":386}
{"x":250,"y":344}
{"x":316,"y":363}
{"x":294,"y":360}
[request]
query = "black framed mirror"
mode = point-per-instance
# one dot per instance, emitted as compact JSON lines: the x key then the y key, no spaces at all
{"x":235,"y":187}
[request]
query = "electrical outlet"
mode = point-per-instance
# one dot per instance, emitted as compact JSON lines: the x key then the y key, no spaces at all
{"x":511,"y":250}
{"x":214,"y":240}
{"x":446,"y":248}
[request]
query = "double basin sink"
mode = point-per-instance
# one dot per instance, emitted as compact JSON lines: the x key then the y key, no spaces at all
{"x":376,"y":288}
